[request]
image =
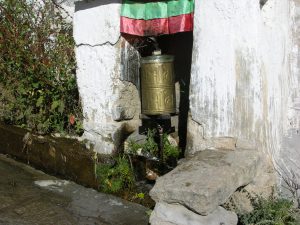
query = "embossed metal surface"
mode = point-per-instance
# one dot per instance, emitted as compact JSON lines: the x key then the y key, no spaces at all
{"x":158,"y":89}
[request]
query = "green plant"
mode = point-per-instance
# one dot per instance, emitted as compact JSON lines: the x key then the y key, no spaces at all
{"x":37,"y":68}
{"x":139,"y":196}
{"x":150,"y":146}
{"x":134,"y":147}
{"x":270,"y":212}
{"x":115,"y":178}
{"x":169,"y":149}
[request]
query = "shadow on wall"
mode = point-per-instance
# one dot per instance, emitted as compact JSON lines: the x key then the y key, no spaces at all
{"x":262,"y":3}
{"x":181,"y":46}
{"x":83,"y":5}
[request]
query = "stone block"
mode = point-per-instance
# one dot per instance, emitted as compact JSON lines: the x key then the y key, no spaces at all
{"x":208,"y":179}
{"x":120,"y":113}
{"x":126,"y":104}
{"x":224,"y":143}
{"x":167,"y":214}
{"x":246,"y":144}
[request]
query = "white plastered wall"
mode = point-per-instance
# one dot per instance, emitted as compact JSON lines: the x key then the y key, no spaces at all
{"x":110,"y":106}
{"x":242,"y":84}
{"x":244,"y":81}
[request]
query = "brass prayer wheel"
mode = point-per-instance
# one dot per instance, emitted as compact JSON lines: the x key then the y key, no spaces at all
{"x":158,"y":85}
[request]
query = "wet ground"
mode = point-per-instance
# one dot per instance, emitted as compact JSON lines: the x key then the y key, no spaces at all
{"x":30,"y":197}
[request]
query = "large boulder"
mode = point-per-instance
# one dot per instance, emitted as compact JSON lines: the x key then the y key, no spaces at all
{"x":167,"y":214}
{"x":208,"y":179}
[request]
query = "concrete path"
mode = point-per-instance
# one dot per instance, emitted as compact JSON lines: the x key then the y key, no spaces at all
{"x":30,"y":197}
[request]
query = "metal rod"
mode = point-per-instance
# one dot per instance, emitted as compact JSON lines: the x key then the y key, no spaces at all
{"x":161,"y":142}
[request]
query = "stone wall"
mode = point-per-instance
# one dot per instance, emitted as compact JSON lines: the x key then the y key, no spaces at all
{"x":110,"y":103}
{"x":242,"y":85}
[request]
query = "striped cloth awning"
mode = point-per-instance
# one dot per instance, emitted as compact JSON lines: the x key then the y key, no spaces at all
{"x":156,"y":17}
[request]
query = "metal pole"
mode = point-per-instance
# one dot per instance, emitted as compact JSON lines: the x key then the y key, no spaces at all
{"x":161,"y":143}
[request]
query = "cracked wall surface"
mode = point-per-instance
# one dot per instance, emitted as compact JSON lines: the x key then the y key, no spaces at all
{"x":110,"y":104}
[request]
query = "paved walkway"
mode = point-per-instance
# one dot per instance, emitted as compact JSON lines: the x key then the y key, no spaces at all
{"x":30,"y":197}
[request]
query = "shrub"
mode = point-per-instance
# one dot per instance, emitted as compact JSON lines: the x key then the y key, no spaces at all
{"x":270,"y":212}
{"x":37,"y":68}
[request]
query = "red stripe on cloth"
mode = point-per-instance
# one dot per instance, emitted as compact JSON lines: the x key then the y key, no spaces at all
{"x":155,"y":27}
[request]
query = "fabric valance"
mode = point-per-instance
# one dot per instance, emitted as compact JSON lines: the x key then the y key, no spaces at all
{"x":156,"y":17}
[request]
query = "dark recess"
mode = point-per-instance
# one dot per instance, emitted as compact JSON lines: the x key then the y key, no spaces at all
{"x":180,"y":45}
{"x":262,"y":3}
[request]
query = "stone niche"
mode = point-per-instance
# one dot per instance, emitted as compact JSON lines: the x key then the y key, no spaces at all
{"x":108,"y":74}
{"x":240,"y":93}
{"x":236,"y":89}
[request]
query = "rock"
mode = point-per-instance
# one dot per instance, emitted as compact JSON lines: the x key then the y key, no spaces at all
{"x":127,"y":105}
{"x":198,"y":142}
{"x":224,"y":143}
{"x":173,"y":140}
{"x":137,"y":138}
{"x":195,"y":137}
{"x":245,"y":144}
{"x":122,"y":113}
{"x":263,"y":185}
{"x":167,"y":214}
{"x":151,"y":175}
{"x":208,"y":179}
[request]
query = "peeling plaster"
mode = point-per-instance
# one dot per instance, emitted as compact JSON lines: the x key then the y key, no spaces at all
{"x":110,"y":106}
{"x":241,"y":78}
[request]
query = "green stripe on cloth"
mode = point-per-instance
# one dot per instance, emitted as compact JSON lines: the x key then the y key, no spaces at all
{"x":141,"y":9}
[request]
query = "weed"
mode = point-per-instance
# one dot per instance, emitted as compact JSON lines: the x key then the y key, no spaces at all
{"x":270,"y":211}
{"x":150,"y":146}
{"x":115,"y":178}
{"x":140,"y":196}
{"x":170,"y":151}
{"x":134,"y":147}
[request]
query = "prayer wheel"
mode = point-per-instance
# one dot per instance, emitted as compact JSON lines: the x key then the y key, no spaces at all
{"x":158,"y":85}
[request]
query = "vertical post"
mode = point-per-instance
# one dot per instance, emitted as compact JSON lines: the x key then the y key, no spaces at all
{"x":161,"y":143}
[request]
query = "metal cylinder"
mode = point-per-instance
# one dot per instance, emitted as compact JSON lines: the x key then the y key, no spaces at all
{"x":158,"y":85}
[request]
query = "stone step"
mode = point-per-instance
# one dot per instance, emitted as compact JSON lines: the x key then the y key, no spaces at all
{"x":208,"y":179}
